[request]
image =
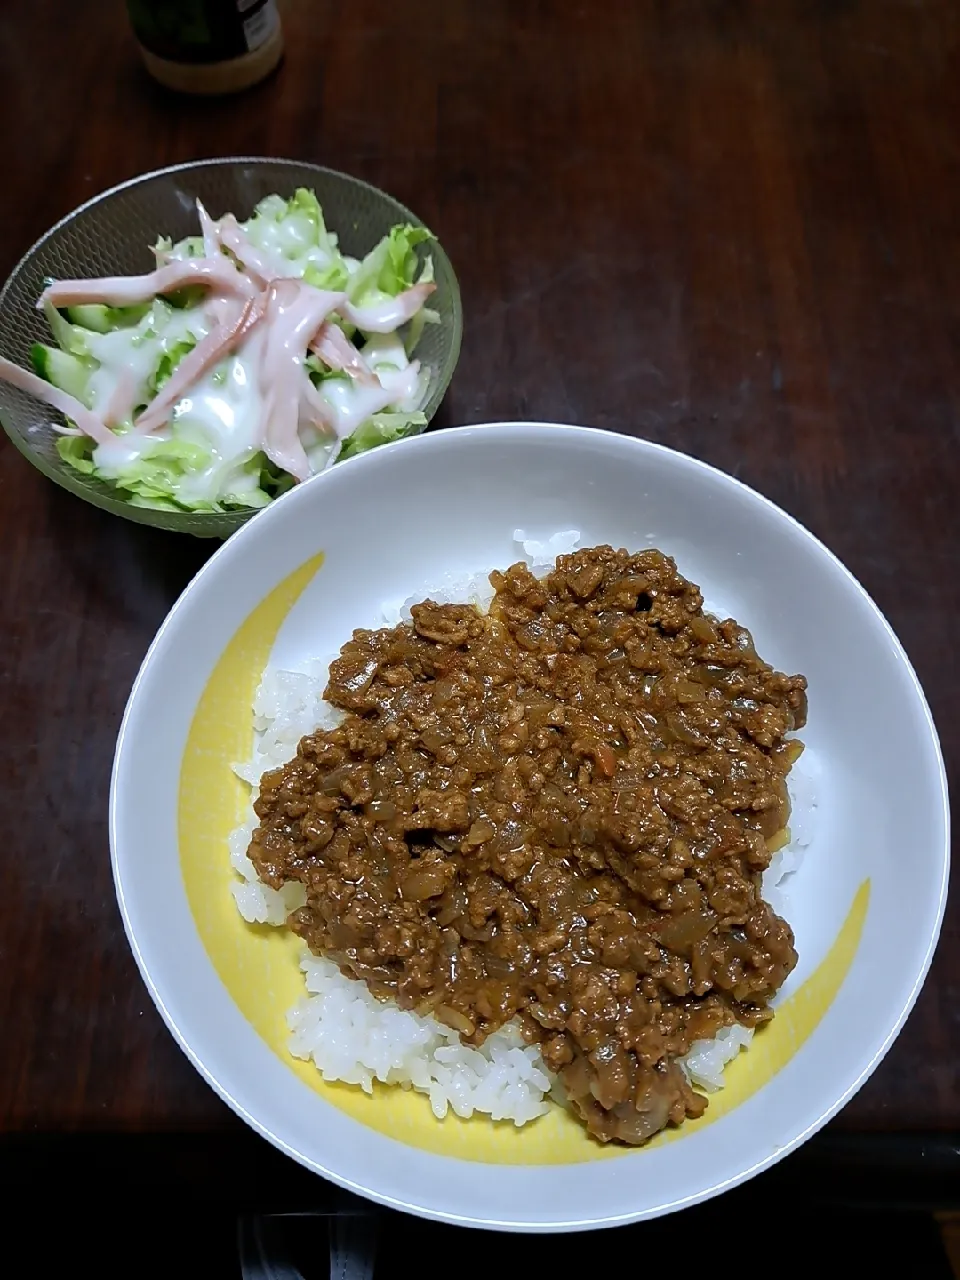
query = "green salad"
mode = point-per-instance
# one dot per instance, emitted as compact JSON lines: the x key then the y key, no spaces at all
{"x":255,"y":356}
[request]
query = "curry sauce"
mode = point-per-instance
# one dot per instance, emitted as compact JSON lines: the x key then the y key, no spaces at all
{"x":557,"y":812}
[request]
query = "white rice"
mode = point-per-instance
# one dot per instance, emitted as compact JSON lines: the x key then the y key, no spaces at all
{"x":350,"y":1035}
{"x":356,"y":1038}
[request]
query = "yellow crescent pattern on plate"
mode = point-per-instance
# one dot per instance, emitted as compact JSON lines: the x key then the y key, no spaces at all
{"x":259,"y":965}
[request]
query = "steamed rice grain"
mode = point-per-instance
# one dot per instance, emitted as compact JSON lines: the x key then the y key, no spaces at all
{"x":353,"y":1037}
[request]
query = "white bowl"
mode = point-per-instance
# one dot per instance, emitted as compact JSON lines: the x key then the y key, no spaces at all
{"x":866,"y":905}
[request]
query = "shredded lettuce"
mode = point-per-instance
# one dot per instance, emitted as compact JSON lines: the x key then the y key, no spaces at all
{"x":255,"y":484}
{"x":319,"y":372}
{"x":70,"y":337}
{"x":292,"y":228}
{"x":188,"y":247}
{"x":76,"y":451}
{"x":305,"y":202}
{"x":177,"y":469}
{"x":191,"y":296}
{"x":425,"y":316}
{"x":156,"y":504}
{"x":333,"y":277}
{"x":381,"y":428}
{"x":273,"y":481}
{"x":169,"y":361}
{"x":154,"y":479}
{"x":159,"y":468}
{"x":390,"y":267}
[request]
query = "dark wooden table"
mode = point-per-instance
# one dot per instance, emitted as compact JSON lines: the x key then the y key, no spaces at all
{"x":733,"y":228}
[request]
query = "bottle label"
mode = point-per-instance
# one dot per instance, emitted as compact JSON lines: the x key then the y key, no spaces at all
{"x":203,"y":31}
{"x":260,"y":21}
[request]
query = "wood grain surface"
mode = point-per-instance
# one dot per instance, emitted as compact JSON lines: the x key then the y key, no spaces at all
{"x":730,"y":227}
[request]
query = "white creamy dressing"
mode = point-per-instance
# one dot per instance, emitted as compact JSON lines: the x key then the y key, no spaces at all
{"x":222,"y":413}
{"x":189,"y":247}
{"x":383,"y":311}
{"x":385,"y":349}
{"x":351,"y":404}
{"x":291,"y":244}
{"x":401,"y":385}
{"x":137,"y":351}
{"x":225,"y":409}
{"x":407,"y":387}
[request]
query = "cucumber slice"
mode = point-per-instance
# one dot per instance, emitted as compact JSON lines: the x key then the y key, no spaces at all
{"x":69,"y":373}
{"x":91,"y":316}
{"x":101,"y":319}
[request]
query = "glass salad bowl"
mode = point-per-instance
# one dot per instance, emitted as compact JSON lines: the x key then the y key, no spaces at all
{"x":112,"y":235}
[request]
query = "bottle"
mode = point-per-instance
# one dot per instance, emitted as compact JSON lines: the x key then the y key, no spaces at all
{"x":207,"y":46}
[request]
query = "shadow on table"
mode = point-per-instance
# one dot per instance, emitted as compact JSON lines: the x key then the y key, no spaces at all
{"x":193,"y":1200}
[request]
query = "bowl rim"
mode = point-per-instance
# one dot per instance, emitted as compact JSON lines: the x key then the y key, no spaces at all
{"x":411,"y":1205}
{"x":235,"y":518}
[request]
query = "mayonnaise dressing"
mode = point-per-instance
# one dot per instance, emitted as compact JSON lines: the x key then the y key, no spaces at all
{"x":405,"y":378}
{"x":224,"y":412}
{"x":290,"y":244}
{"x":404,"y":387}
{"x":385,"y":349}
{"x":137,"y":351}
{"x":351,"y":403}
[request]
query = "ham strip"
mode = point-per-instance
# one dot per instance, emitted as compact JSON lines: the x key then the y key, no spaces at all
{"x":126,"y":291}
{"x":384,"y":317}
{"x":195,"y":364}
{"x":337,"y":352}
{"x":88,"y":422}
{"x":294,"y":314}
{"x":254,"y":261}
{"x":210,"y":231}
{"x":314,"y":408}
{"x":122,"y":400}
